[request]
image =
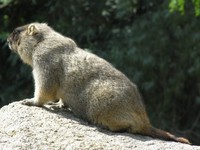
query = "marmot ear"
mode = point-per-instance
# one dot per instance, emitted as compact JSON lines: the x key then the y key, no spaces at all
{"x":32,"y":29}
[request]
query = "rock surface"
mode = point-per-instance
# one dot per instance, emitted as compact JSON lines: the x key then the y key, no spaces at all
{"x":23,"y":128}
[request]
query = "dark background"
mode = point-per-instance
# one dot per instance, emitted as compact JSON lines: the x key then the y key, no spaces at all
{"x":156,"y":49}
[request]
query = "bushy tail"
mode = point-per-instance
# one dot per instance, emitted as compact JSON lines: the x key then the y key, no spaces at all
{"x":160,"y":134}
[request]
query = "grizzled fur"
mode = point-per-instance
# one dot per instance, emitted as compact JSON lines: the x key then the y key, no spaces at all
{"x":90,"y":86}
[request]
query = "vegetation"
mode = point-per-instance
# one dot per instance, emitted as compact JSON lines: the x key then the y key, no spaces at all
{"x":157,"y":49}
{"x":179,"y":5}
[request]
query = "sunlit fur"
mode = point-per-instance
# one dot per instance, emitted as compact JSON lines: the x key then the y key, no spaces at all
{"x":91,"y":87}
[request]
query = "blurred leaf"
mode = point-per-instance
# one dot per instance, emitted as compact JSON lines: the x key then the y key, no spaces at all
{"x":197,"y":7}
{"x":5,"y":2}
{"x":179,"y":5}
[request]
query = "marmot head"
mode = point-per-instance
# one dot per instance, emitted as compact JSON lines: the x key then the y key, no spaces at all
{"x":24,"y":40}
{"x":27,"y":37}
{"x":27,"y":40}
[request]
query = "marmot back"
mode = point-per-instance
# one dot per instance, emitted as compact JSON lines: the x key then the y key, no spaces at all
{"x":90,"y":86}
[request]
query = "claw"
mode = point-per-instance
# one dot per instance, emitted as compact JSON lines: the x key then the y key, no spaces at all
{"x":29,"y":102}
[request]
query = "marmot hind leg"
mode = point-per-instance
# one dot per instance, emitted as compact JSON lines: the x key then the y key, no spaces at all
{"x":120,"y":121}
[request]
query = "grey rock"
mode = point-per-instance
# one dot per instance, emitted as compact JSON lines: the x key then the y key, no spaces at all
{"x":43,"y":128}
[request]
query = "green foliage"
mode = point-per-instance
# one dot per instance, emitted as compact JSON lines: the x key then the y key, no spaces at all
{"x":179,"y":5}
{"x":156,"y":49}
{"x":197,"y":7}
{"x":5,"y":2}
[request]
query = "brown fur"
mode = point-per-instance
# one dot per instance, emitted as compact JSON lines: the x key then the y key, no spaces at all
{"x":86,"y":83}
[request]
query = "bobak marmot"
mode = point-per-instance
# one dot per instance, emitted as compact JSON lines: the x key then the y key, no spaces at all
{"x":91,"y":87}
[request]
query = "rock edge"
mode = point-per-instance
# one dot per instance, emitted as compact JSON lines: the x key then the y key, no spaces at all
{"x":23,"y":127}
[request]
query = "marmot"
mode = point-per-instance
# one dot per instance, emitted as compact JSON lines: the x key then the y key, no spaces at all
{"x":90,"y":86}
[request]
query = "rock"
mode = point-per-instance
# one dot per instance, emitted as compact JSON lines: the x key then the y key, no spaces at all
{"x":23,"y":127}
